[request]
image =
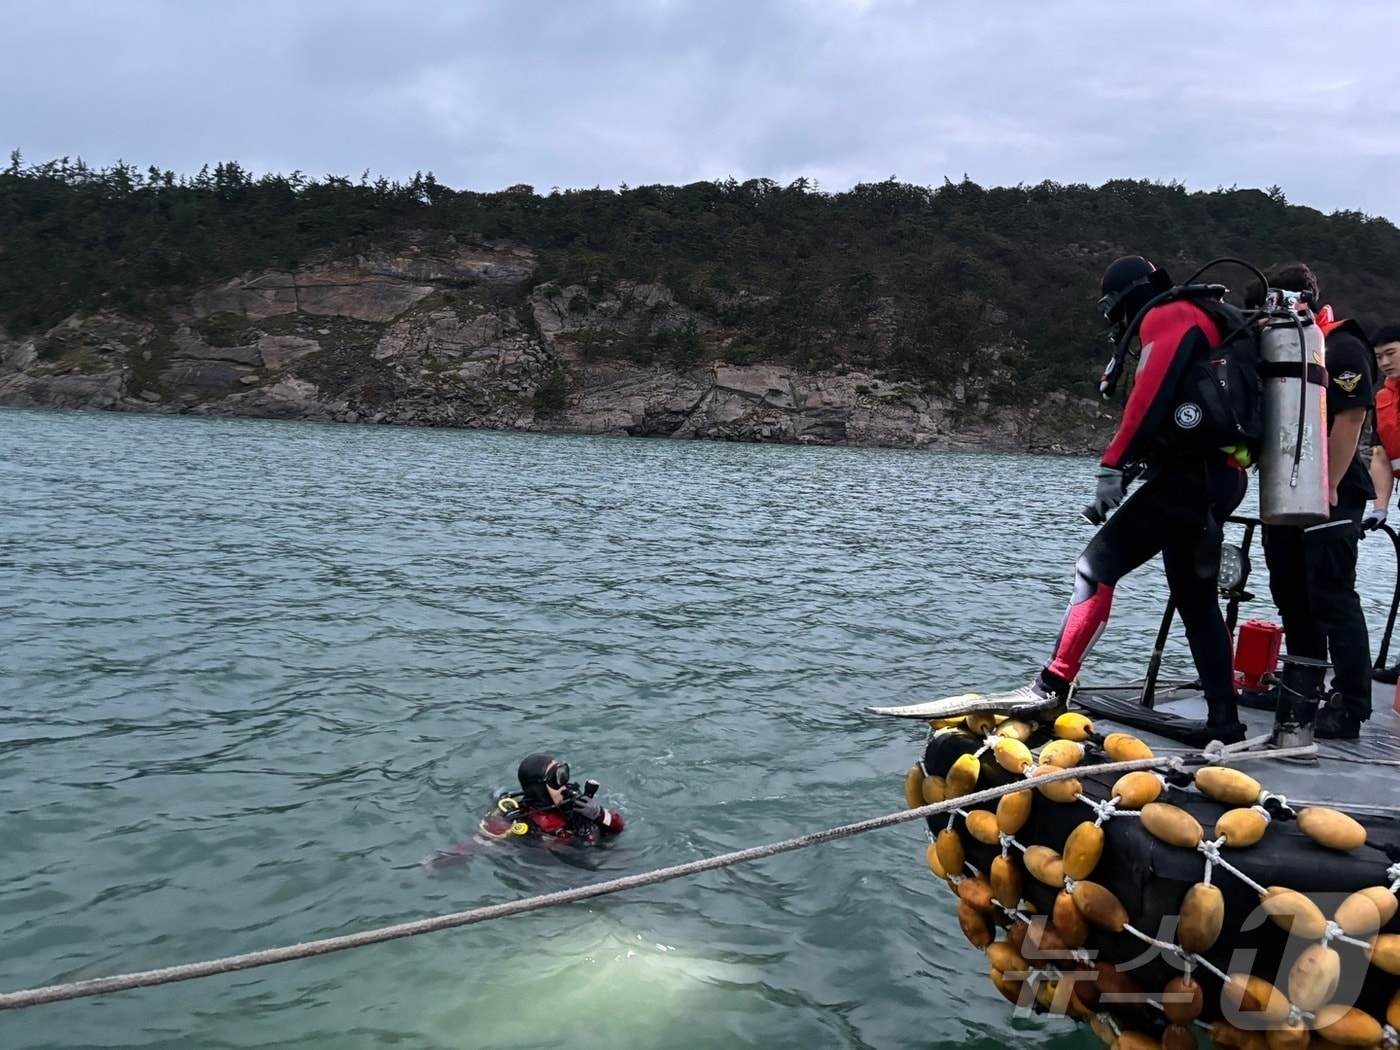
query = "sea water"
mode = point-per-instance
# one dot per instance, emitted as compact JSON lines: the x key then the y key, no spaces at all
{"x":253,"y":672}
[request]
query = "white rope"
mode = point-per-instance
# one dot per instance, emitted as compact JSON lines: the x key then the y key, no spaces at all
{"x":250,"y":960}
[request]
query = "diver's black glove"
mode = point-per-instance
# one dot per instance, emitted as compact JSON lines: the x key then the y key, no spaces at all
{"x":1107,"y":495}
{"x":587,"y":808}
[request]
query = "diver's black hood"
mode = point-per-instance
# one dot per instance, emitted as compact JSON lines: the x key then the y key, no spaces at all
{"x":531,"y":776}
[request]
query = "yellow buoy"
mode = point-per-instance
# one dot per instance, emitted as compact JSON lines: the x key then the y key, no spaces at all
{"x":1137,"y":789}
{"x":1060,"y":790}
{"x":1347,"y":1026}
{"x":1384,"y":953}
{"x":1254,"y":995}
{"x":1331,"y":828}
{"x":1291,"y":1035}
{"x":1012,"y":755}
{"x":962,"y":775}
{"x":950,"y":851}
{"x":1124,"y":747}
{"x":977,"y":892}
{"x":1069,"y":921}
{"x":1045,"y":865}
{"x":1082,"y":851}
{"x":1366,"y":911}
{"x":1100,"y":906}
{"x":1241,"y":827}
{"x":1017,"y":729}
{"x":982,"y":825}
{"x":981,"y":722}
{"x":935,"y":865}
{"x":976,"y":925}
{"x":1201,"y":917}
{"x":1313,"y":978}
{"x":1295,"y":912}
{"x":1013,"y":811}
{"x":1229,"y":786}
{"x":935,"y":789}
{"x":1005,"y":958}
{"x":1171,"y":825}
{"x":913,"y":786}
{"x":1071,"y":726}
{"x":1005,"y":877}
{"x":1182,"y":1000}
{"x":1063,"y":753}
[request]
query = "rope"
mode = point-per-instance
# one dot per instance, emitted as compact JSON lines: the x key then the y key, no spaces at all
{"x":230,"y":964}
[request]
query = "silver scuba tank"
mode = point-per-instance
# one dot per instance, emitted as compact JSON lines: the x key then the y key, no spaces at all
{"x":1293,"y":454}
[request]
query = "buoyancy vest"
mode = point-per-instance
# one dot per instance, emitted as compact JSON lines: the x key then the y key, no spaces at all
{"x":1329,"y":324}
{"x":1218,"y":401}
{"x":1328,"y":321}
{"x":1388,"y":421}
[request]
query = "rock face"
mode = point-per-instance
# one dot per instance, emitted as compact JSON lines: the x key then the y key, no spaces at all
{"x":451,"y":335}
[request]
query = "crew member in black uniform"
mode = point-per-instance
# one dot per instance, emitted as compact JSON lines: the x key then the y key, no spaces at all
{"x":1312,"y":570}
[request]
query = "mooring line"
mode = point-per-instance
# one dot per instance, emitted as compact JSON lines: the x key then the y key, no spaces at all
{"x":230,"y":964}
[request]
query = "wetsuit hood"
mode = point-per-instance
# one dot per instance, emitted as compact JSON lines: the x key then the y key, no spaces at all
{"x":531,"y":775}
{"x":1128,"y":285}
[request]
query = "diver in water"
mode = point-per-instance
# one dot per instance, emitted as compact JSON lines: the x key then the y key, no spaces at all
{"x":549,"y":810}
{"x":551,"y":806}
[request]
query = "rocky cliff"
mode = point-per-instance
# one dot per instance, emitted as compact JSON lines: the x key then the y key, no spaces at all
{"x":435,"y":334}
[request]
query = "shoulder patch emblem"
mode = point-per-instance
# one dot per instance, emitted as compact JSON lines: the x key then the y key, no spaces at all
{"x":1347,"y":380}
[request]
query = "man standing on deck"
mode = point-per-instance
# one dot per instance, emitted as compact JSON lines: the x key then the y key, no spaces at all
{"x":1319,"y":606}
{"x":1177,"y":511}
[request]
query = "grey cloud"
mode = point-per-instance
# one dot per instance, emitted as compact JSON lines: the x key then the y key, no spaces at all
{"x":611,"y":91}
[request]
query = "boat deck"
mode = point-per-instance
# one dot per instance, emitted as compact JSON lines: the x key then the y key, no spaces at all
{"x":1361,"y":773}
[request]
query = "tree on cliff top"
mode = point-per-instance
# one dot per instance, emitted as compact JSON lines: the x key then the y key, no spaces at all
{"x":922,"y":284}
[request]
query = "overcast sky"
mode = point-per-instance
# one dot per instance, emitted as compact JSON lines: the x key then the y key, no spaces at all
{"x":579,"y":93}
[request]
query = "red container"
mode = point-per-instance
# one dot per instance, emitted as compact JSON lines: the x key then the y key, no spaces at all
{"x":1256,"y":652}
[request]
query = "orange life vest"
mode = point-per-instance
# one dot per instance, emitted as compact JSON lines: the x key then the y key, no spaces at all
{"x":1388,"y":421}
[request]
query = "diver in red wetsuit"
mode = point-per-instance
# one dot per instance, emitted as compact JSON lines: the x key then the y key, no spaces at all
{"x":549,"y":810}
{"x":1177,"y":510}
{"x":550,"y":806}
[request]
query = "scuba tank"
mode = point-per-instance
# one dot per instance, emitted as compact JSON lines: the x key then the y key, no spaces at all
{"x":1293,"y":486}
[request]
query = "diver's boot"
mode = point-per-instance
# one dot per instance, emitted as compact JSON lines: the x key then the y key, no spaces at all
{"x":1223,"y":721}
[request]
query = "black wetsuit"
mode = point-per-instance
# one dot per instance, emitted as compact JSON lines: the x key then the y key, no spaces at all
{"x":1176,"y":512}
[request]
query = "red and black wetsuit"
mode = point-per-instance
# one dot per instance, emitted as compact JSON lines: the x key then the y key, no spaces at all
{"x":571,"y":826}
{"x":1175,"y":512}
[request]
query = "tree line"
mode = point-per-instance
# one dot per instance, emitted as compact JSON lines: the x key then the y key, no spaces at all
{"x":916,"y":283}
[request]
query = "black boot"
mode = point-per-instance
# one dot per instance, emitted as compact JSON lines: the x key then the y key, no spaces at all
{"x":1388,"y":675}
{"x":1335,"y":722}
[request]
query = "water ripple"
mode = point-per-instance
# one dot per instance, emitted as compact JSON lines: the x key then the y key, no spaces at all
{"x":255,"y":671}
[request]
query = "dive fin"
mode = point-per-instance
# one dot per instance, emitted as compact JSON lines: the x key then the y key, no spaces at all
{"x":1023,"y":701}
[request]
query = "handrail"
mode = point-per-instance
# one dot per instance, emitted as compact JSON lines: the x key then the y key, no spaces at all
{"x":1394,"y":599}
{"x":1233,"y":596}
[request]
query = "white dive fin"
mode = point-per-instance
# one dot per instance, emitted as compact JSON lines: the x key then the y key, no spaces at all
{"x":1022,"y":701}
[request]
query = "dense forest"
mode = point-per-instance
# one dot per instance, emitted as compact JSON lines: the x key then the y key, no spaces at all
{"x":902,"y":280}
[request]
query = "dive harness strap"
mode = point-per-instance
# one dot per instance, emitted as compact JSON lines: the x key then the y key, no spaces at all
{"x":1313,"y":373}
